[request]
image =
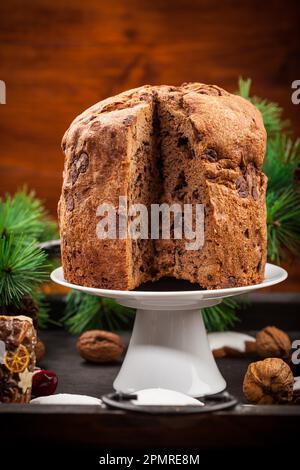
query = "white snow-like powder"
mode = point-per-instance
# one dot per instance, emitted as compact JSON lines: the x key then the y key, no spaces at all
{"x":231,"y":339}
{"x":164,"y":397}
{"x":66,"y":399}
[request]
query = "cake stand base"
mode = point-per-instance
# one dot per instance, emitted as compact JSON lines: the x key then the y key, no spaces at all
{"x":169,"y":349}
{"x":169,"y":346}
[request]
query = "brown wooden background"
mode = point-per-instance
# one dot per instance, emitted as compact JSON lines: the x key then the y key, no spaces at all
{"x":58,"y":57}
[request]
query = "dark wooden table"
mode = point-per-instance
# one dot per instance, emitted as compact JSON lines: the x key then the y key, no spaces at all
{"x":96,"y":428}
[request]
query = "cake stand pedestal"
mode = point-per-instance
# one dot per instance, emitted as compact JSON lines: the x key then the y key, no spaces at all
{"x":169,"y":346}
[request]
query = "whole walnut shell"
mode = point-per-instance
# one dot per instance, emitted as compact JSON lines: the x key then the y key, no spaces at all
{"x":268,"y":382}
{"x":100,"y":346}
{"x":272,"y":342}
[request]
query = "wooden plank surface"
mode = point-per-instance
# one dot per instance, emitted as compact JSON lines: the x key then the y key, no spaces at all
{"x":59,"y":57}
{"x":101,"y":428}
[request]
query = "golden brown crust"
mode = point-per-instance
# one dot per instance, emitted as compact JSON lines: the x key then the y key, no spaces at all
{"x":222,"y":169}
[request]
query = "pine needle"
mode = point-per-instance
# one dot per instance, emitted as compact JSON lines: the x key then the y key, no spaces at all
{"x":23,"y":214}
{"x":22,"y":267}
{"x":84,"y":312}
{"x":281,"y":162}
{"x":221,"y":317}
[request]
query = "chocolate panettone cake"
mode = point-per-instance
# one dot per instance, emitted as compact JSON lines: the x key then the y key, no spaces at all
{"x":193,"y":144}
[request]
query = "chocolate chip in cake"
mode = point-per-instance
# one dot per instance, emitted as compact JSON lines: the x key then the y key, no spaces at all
{"x":179,"y":190}
{"x":70,"y":203}
{"x":254,"y":191}
{"x":146,"y":97}
{"x":73,"y":174}
{"x":242,"y":187}
{"x":129,"y":120}
{"x":82,"y":163}
{"x":247,"y":233}
{"x":211,"y":155}
{"x":195,"y":194}
{"x":259,"y":265}
{"x":182,"y":141}
{"x":231,"y":281}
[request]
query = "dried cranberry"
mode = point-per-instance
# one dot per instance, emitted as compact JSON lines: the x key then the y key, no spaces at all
{"x":44,"y":382}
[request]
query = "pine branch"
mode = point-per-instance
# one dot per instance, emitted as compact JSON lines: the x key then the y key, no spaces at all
{"x":281,"y":162}
{"x":283,"y":223}
{"x":221,"y":317}
{"x":22,"y":267}
{"x":23,"y":222}
{"x":85,"y":312}
{"x":23,"y":214}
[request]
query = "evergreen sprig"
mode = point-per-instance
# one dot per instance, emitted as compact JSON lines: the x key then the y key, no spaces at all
{"x":85,"y":312}
{"x":23,"y":223}
{"x":221,"y":317}
{"x":281,"y":161}
{"x":283,"y":223}
{"x":22,"y":267}
{"x":24,"y":215}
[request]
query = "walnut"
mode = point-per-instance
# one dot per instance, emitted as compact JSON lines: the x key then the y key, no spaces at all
{"x":296,"y":397}
{"x":100,"y":346}
{"x":269,"y":381}
{"x":39,"y":350}
{"x":272,"y":342}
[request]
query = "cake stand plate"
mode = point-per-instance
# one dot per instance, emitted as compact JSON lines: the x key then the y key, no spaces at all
{"x":169,"y":346}
{"x":221,"y":401}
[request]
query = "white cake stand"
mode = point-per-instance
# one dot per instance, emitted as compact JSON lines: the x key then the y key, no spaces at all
{"x":169,"y":346}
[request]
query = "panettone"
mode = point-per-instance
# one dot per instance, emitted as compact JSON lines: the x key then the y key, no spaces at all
{"x":192,"y":144}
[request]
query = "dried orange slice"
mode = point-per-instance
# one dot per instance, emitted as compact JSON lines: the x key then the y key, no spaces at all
{"x":17,"y":361}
